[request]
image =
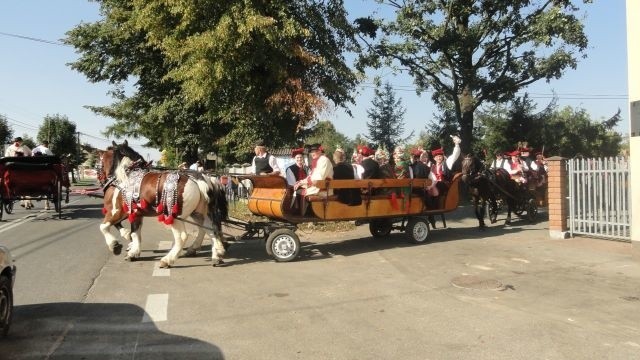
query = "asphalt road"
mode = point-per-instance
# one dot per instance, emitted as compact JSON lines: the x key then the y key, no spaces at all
{"x":504,"y":293}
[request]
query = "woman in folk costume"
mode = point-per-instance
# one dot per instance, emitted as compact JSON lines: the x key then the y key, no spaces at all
{"x":440,"y":174}
{"x":386,"y":169}
{"x":356,"y":162}
{"x":517,"y":168}
{"x":402,"y":170}
{"x":321,"y":169}
{"x":299,"y":170}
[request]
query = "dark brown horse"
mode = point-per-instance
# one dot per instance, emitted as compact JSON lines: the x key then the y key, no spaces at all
{"x":486,"y":185}
{"x":171,"y":196}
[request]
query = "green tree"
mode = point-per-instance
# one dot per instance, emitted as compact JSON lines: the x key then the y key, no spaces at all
{"x":6,"y":133}
{"x":61,"y":134}
{"x":325,"y":133}
{"x":505,"y":125}
{"x":210,"y":74}
{"x":387,"y":125}
{"x":474,"y":52}
{"x":569,"y":132}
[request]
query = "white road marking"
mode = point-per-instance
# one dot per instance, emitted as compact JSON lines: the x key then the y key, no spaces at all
{"x":158,"y":271}
{"x":25,"y":219}
{"x":155,"y":309}
{"x":521,"y":260}
{"x":631,"y":343}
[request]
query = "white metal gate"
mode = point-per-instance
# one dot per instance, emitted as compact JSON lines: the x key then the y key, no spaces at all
{"x":599,"y":203}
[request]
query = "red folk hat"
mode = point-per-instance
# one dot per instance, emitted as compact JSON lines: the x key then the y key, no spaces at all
{"x":366,"y":151}
{"x":298,"y":151}
{"x":514,"y":153}
{"x":416,"y":152}
{"x":438,"y":151}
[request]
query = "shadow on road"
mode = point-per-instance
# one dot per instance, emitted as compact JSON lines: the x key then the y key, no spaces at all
{"x":95,"y":331}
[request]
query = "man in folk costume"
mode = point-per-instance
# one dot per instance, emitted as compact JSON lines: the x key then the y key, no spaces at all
{"x":402,"y":170}
{"x":321,"y":169}
{"x":420,"y":170}
{"x":516,"y":167}
{"x":440,"y":173}
{"x":299,"y":170}
{"x":264,"y":163}
{"x":499,"y":161}
{"x":369,"y":164}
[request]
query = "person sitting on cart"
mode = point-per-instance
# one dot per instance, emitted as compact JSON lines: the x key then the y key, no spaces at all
{"x":296,"y":172}
{"x":371,"y":167}
{"x":440,"y":173}
{"x":344,"y":171}
{"x":386,"y":169}
{"x":517,"y":168}
{"x":17,"y":148}
{"x":356,"y":162}
{"x":42,"y":149}
{"x":418,"y":168}
{"x":499,"y":162}
{"x":321,"y":169}
{"x":264,"y":163}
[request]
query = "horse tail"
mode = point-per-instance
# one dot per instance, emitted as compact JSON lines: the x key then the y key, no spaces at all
{"x":218,"y":206}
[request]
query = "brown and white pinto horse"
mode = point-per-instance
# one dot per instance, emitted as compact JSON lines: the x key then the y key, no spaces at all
{"x":197,"y":198}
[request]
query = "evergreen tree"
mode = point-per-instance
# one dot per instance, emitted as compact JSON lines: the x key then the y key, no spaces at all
{"x":387,"y":125}
{"x":6,"y":133}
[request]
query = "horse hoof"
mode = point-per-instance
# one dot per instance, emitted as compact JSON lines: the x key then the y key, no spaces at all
{"x":217,"y":262}
{"x":163,"y":265}
{"x":190,"y":253}
{"x":130,"y":258}
{"x":117,"y":249}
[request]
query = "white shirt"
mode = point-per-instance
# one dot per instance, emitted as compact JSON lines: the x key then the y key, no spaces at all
{"x":13,"y":149}
{"x":272,"y":162}
{"x":42,"y":150}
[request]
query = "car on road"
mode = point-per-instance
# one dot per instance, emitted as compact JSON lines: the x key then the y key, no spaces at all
{"x":7,"y":279}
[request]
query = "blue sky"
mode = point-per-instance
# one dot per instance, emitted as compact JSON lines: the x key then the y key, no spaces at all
{"x":34,"y":80}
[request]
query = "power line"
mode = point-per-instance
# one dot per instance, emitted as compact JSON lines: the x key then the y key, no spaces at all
{"x":33,"y":39}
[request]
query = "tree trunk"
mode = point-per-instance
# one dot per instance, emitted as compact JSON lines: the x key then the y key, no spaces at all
{"x":466,"y":131}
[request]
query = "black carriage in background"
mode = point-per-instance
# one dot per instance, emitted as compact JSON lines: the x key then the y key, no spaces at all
{"x":33,"y":178}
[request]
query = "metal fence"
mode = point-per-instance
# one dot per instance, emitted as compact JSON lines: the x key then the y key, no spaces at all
{"x":599,"y":200}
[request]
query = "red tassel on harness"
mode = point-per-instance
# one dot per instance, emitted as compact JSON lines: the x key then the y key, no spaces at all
{"x":174,"y":210}
{"x":160,"y":208}
{"x":134,"y":206}
{"x":125,"y":208}
{"x":394,"y":201}
{"x":168,"y":220}
{"x":104,"y":211}
{"x":132,"y":217}
{"x":143,"y":204}
{"x":161,"y":217}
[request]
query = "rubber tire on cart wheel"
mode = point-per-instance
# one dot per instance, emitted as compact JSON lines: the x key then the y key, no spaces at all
{"x":2,"y":207}
{"x":8,"y":207}
{"x":283,"y":244}
{"x":532,"y":210}
{"x":418,"y":230}
{"x":6,"y":305}
{"x":57,"y":200}
{"x":380,"y":228}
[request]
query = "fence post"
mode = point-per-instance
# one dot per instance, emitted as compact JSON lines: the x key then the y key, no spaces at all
{"x":557,"y":192}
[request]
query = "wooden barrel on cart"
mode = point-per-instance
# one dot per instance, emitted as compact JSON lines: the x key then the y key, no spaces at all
{"x":268,"y":195}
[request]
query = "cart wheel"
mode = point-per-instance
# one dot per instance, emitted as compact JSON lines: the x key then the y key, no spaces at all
{"x":57,"y":200}
{"x":380,"y":227}
{"x":418,"y":230}
{"x":8,"y":207}
{"x":492,"y":210}
{"x":532,"y":210}
{"x":283,"y":245}
{"x":2,"y":207}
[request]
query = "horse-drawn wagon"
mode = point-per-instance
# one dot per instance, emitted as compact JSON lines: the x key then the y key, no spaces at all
{"x":33,"y":178}
{"x":384,"y":212}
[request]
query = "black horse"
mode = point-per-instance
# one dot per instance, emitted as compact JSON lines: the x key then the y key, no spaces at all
{"x":487,"y":185}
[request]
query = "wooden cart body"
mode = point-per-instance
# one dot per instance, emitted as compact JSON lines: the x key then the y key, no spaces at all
{"x":273,"y":199}
{"x":33,"y":178}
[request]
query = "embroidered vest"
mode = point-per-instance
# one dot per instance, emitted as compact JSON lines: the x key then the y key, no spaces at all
{"x":262,"y":164}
